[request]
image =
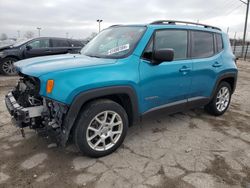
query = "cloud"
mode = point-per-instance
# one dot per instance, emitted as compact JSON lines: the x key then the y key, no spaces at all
{"x":78,"y":17}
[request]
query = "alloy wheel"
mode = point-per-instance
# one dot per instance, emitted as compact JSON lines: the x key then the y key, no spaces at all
{"x":8,"y":67}
{"x":222,"y":99}
{"x":104,"y":130}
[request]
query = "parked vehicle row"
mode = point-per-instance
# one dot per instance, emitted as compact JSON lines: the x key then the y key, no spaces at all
{"x":42,"y":46}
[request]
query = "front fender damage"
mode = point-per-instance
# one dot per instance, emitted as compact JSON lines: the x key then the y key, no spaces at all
{"x":29,"y":109}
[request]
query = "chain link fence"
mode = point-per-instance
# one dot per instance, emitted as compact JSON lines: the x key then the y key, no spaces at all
{"x":237,"y":50}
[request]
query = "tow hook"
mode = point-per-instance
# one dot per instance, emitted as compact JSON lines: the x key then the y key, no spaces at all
{"x":22,"y":132}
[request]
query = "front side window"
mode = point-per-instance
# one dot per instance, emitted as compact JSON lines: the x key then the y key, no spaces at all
{"x":202,"y":44}
{"x":148,"y":52}
{"x":174,"y":39}
{"x":114,"y":42}
{"x":41,"y":43}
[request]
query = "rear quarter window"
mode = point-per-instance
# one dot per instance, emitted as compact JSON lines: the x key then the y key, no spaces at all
{"x":219,"y":42}
{"x":76,"y":43}
{"x":202,"y":44}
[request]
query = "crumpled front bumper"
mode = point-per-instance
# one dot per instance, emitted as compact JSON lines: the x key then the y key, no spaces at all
{"x":21,"y":116}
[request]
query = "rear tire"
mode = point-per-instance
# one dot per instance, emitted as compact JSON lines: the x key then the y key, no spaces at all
{"x":221,"y":100}
{"x":6,"y":66}
{"x":101,"y":128}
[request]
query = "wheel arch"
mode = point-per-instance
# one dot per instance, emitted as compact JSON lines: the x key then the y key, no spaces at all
{"x":124,"y":95}
{"x":12,"y":56}
{"x":230,"y":78}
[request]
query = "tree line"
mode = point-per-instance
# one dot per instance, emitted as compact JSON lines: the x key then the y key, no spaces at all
{"x":27,"y":34}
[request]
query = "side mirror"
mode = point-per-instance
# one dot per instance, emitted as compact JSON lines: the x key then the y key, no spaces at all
{"x":161,"y":55}
{"x":28,"y":47}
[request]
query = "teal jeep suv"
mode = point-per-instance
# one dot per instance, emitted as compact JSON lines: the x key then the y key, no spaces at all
{"x":125,"y":72}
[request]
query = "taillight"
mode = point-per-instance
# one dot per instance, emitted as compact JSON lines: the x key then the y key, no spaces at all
{"x":235,"y":59}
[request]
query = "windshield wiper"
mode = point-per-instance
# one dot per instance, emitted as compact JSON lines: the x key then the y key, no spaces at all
{"x":93,"y":56}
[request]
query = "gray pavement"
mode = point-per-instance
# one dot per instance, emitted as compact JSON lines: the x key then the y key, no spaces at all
{"x":190,"y":149}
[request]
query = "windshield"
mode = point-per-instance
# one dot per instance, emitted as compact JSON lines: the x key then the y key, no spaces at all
{"x":21,"y":42}
{"x":114,"y":42}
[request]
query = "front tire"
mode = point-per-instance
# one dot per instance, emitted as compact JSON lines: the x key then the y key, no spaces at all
{"x":101,"y":128}
{"x":221,"y":100}
{"x":6,"y":66}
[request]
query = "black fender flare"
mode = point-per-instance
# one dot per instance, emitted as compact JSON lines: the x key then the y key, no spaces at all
{"x":82,"y":98}
{"x":222,"y":77}
{"x":10,"y":56}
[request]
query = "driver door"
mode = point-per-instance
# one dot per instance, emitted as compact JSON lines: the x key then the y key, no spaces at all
{"x":38,"y":47}
{"x":166,"y":84}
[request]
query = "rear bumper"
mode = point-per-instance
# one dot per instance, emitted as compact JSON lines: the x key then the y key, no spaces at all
{"x":21,"y":116}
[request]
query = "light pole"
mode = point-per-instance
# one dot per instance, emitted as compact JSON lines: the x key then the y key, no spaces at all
{"x":39,"y":29}
{"x":18,"y":33}
{"x":99,"y":22}
{"x":245,"y":27}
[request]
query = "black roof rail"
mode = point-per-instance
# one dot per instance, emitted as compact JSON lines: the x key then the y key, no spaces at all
{"x":173,"y":22}
{"x":115,"y":25}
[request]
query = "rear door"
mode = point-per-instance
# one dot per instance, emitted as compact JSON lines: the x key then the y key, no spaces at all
{"x":206,"y":50}
{"x":60,"y":46}
{"x":37,"y":47}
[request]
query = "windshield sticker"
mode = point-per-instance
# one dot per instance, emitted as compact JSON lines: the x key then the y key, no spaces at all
{"x":118,"y":49}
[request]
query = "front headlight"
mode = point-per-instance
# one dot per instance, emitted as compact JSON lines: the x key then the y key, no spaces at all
{"x":1,"y":54}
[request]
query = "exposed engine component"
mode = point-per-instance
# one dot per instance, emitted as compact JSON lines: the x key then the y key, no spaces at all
{"x":27,"y":92}
{"x":34,"y":111}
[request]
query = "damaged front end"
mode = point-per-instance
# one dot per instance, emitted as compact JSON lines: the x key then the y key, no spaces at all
{"x":29,"y":109}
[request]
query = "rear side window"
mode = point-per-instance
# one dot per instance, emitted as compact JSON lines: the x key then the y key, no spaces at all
{"x":75,"y":43}
{"x":219,"y":42}
{"x":202,"y":44}
{"x":60,"y":43}
{"x":175,"y":39}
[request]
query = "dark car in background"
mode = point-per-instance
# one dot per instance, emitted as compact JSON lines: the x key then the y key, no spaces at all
{"x":41,"y":46}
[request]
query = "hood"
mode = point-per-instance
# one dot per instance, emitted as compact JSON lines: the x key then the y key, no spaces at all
{"x":5,"y":47}
{"x":42,"y":65}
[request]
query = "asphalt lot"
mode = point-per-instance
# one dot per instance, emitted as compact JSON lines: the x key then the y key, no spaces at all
{"x":191,"y":149}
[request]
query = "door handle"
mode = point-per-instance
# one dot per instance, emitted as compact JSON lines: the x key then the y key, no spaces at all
{"x":185,"y":69}
{"x":217,"y":64}
{"x":48,"y":51}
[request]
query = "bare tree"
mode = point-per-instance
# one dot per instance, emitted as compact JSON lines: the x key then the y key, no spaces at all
{"x":29,"y":34}
{"x":3,"y":36}
{"x":92,"y":35}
